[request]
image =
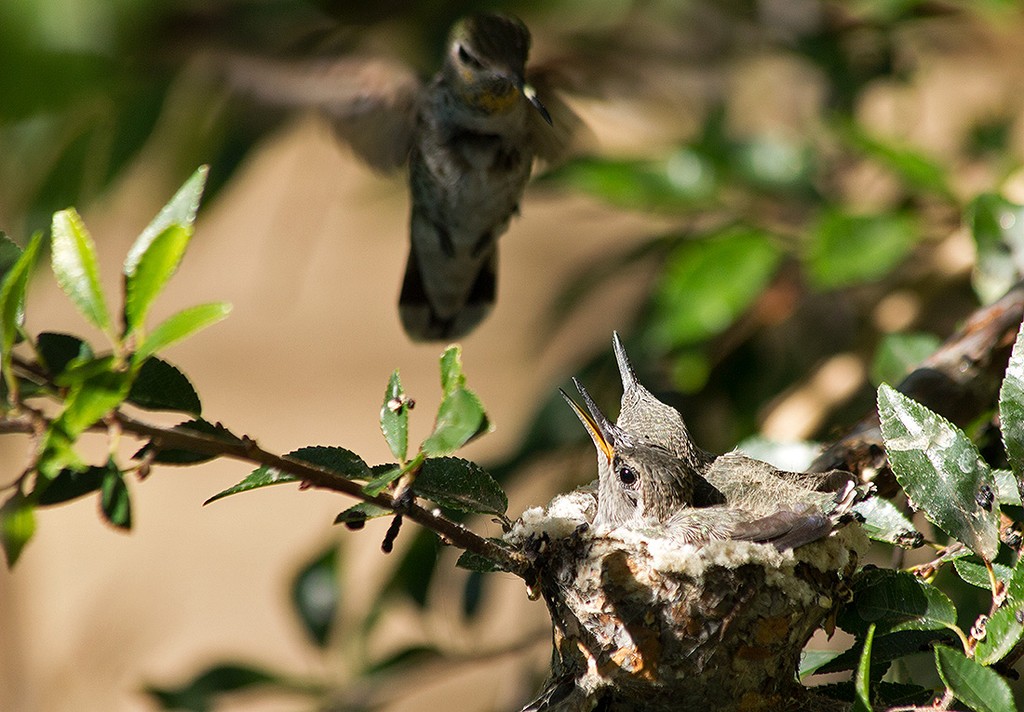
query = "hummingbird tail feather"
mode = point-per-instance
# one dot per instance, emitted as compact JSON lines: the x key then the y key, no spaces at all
{"x":421,"y":319}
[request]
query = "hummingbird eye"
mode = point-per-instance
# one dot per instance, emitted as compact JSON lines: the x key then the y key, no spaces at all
{"x":627,"y":475}
{"x":466,"y":58}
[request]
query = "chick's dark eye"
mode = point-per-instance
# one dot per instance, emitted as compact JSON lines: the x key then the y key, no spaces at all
{"x":466,"y":58}
{"x":627,"y":475}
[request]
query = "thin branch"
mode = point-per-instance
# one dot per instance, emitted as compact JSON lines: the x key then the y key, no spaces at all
{"x":247,"y":450}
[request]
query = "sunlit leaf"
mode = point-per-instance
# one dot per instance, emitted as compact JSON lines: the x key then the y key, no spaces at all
{"x":706,"y":284}
{"x":17,"y":525}
{"x":977,"y":575}
{"x":1009,"y":493}
{"x":394,"y":417}
{"x":454,"y":483}
{"x":384,"y":475}
{"x":150,"y":274}
{"x":847,"y":249}
{"x":180,"y":210}
{"x":316,"y":594}
{"x":262,"y":476}
{"x":1011,"y":409}
{"x":895,"y":601}
{"x":883,"y":521}
{"x":862,"y":681}
{"x":941,"y":470}
{"x":475,"y":562}
{"x":980,"y":688}
{"x":1003,"y":632}
{"x":91,"y":398}
{"x":361,"y":512}
{"x":12,"y":299}
{"x":76,"y":269}
{"x":178,"y":456}
{"x":460,"y":418}
{"x":180,"y":326}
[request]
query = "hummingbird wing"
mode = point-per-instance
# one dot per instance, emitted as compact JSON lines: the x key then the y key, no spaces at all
{"x":370,"y":102}
{"x":786,"y":528}
{"x":555,"y":141}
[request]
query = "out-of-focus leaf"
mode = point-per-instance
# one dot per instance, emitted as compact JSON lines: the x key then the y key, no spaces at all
{"x":1011,"y":409}
{"x":198,"y":695}
{"x":160,"y":386}
{"x":454,"y":483}
{"x":74,"y":264}
{"x":12,"y":299}
{"x":895,"y":601}
{"x":997,"y":226}
{"x":177,"y":456}
{"x":316,"y":595}
{"x":91,"y":398}
{"x":684,"y":179}
{"x":58,"y":351}
{"x":708,"y":283}
{"x":415,"y":570}
{"x":883,"y":521}
{"x":774,"y":163}
{"x":980,"y":688}
{"x":898,"y":354}
{"x":115,"y":500}
{"x":70,"y":484}
{"x":940,"y":469}
{"x":847,"y":249}
{"x":394,"y":417}
{"x":862,"y":681}
{"x":898,"y":694}
{"x":460,"y":418}
{"x":180,"y":210}
{"x":361,"y":512}
{"x":17,"y":525}
{"x":414,"y":655}
{"x":9,"y":254}
{"x":149,"y":276}
{"x":914,"y":168}
{"x":180,"y":326}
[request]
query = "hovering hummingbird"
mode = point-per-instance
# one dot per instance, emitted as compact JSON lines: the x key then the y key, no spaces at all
{"x":469,"y":137}
{"x":652,"y":475}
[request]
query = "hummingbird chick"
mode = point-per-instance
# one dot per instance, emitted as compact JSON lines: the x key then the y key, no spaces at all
{"x":469,"y":137}
{"x":652,"y":476}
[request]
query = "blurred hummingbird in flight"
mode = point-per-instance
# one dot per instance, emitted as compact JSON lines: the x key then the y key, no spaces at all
{"x":469,"y":137}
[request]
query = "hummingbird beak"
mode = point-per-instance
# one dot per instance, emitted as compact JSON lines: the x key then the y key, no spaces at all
{"x":602,"y":432}
{"x":531,"y":96}
{"x":626,"y":371}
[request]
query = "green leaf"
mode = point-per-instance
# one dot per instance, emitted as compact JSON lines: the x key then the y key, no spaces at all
{"x":883,"y":521}
{"x":706,"y":284}
{"x":848,"y":249}
{"x":74,"y":264}
{"x":997,"y":226}
{"x":811,"y":660}
{"x":895,"y":601}
{"x":460,"y":418}
{"x":452,"y":377}
{"x":980,"y":688}
{"x":69,"y":484}
{"x":12,"y":300}
{"x":977,"y":575}
{"x":413,"y":655}
{"x":198,"y":694}
{"x":17,"y":525}
{"x":415,"y":570}
{"x":914,"y":168}
{"x":862,"y":681}
{"x":151,"y":273}
{"x":383,"y":475}
{"x":454,"y":483}
{"x":887,"y":648}
{"x":1015,"y":584}
{"x":1009,"y":492}
{"x":336,"y":459}
{"x":115,"y":500}
{"x":91,"y":398}
{"x":160,"y":386}
{"x":180,"y":326}
{"x":1002,"y":633}
{"x":1011,"y":408}
{"x":316,"y":594}
{"x":180,"y":210}
{"x":10,"y":252}
{"x":898,"y":354}
{"x":358,"y":514}
{"x":941,"y":471}
{"x":177,"y":456}
{"x":262,"y":476}
{"x":394,"y":417}
{"x":58,"y":351}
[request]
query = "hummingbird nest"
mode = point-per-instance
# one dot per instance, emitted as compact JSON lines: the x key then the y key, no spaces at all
{"x":642,"y":622}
